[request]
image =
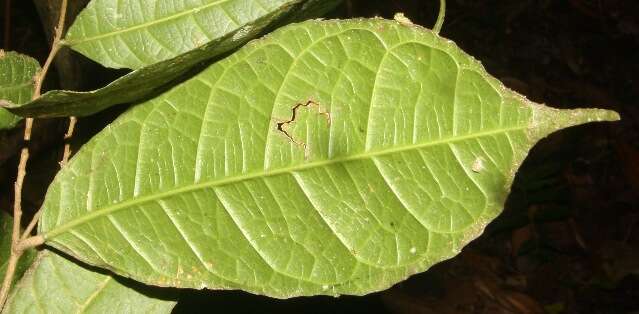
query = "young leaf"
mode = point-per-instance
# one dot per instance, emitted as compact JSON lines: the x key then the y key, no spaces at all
{"x":6,"y":226}
{"x":16,"y":83}
{"x":153,"y":78}
{"x":54,"y":284}
{"x":331,"y":157}
{"x":136,"y":33}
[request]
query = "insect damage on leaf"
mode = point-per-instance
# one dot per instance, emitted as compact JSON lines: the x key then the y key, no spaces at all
{"x":284,"y":127}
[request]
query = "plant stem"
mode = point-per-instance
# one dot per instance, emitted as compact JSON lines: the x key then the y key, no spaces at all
{"x":32,"y":224}
{"x":13,"y":262}
{"x":18,"y":243}
{"x":30,"y":242}
{"x":67,"y":145}
{"x":440,"y":17}
{"x":17,"y":216}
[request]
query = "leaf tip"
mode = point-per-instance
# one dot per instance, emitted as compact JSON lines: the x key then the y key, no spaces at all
{"x":547,"y":120}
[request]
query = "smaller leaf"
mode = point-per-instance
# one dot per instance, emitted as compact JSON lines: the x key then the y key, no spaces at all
{"x":8,"y":120}
{"x":152,"y":79}
{"x":16,"y":83}
{"x":54,"y":284}
{"x":136,"y":33}
{"x":6,"y":225}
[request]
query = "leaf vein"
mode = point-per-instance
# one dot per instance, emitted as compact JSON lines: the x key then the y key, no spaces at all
{"x":248,"y":176}
{"x":144,"y":25}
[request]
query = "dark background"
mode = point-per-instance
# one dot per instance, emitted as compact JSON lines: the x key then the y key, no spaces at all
{"x":568,"y":240}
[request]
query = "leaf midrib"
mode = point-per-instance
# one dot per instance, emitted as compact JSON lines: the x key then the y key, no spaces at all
{"x":48,"y":235}
{"x":144,"y":25}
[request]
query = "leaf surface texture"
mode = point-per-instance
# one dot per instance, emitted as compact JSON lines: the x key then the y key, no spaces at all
{"x":135,"y":33}
{"x":160,"y":73}
{"x":16,"y":83}
{"x":54,"y":284}
{"x":330,"y":157}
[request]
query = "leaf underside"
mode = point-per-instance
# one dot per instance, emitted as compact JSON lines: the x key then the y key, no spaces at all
{"x":330,"y":157}
{"x":57,"y":285}
{"x":136,"y":33}
{"x":16,"y":83}
{"x":158,"y":76}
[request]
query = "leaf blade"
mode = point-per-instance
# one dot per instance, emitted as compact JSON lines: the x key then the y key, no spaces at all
{"x":56,"y":285}
{"x":152,"y":79}
{"x":16,"y":83}
{"x":134,"y":33}
{"x":254,"y":190}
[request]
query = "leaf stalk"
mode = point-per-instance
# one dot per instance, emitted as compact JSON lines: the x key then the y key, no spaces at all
{"x":440,"y":17}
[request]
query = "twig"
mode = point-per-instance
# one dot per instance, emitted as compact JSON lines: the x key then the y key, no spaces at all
{"x":55,"y":46}
{"x":440,"y":17}
{"x":13,"y":262}
{"x":32,"y":224}
{"x":67,"y":145}
{"x":18,"y":243}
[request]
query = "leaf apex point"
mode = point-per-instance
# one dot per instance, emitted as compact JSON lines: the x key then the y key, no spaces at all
{"x":547,"y":120}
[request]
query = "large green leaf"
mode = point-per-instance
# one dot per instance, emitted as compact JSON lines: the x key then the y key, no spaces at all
{"x":6,"y":226}
{"x":135,"y":33}
{"x":16,"y":83}
{"x":54,"y":284}
{"x":158,"y":76}
{"x":331,"y":157}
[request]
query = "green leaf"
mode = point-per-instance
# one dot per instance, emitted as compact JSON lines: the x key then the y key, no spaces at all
{"x":151,"y":79}
{"x":54,"y":284}
{"x":16,"y":83}
{"x":8,"y":120}
{"x":6,"y":226}
{"x":136,"y":33}
{"x":330,"y":157}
